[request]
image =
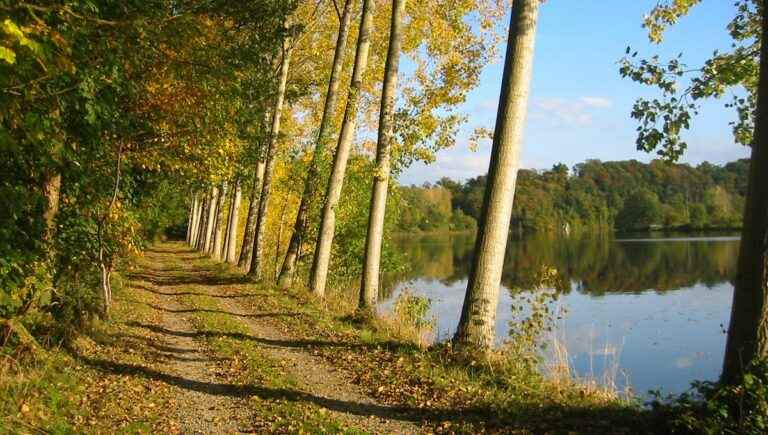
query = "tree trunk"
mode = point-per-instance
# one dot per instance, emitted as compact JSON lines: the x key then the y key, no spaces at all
{"x":261,"y":219}
{"x":369,"y":287}
{"x":218,"y":233}
{"x":230,"y":250}
{"x":52,"y":192}
{"x":190,"y":218}
{"x":195,"y":220}
{"x":246,"y":249}
{"x":210,"y":219}
{"x":322,"y":258}
{"x":227,"y":226}
{"x":478,"y":315}
{"x":201,"y":223}
{"x":748,"y":330}
{"x":288,"y":269}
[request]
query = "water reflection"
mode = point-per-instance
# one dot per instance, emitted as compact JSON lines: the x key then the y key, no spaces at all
{"x":593,"y":266}
{"x":640,"y":300}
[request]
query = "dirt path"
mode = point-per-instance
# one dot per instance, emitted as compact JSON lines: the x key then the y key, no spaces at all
{"x":205,"y":404}
{"x":346,"y":400}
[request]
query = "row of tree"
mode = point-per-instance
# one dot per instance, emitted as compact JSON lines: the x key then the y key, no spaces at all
{"x":117,"y":119}
{"x":594,"y":196}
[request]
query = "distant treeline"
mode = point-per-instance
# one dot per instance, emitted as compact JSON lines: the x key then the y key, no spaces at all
{"x":624,"y":195}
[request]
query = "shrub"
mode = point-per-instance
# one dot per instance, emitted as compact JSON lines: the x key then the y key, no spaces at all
{"x":713,"y":408}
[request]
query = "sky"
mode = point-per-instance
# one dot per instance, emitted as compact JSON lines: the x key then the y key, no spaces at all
{"x":579,"y":105}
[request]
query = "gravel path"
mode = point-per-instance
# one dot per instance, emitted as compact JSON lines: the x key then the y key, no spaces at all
{"x":203,"y":403}
{"x":319,"y":379}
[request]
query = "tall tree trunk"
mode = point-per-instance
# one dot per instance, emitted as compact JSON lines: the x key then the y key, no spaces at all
{"x":369,"y":287}
{"x":190,"y":218}
{"x":230,"y":246}
{"x":322,"y":258}
{"x":218,"y":230}
{"x":105,"y":262}
{"x":478,"y":315}
{"x":261,"y":219}
{"x":195,"y":220}
{"x":288,"y":269}
{"x":227,"y":226}
{"x":52,"y":192}
{"x":199,"y":243}
{"x":210,"y":219}
{"x":748,"y":330}
{"x":246,"y":249}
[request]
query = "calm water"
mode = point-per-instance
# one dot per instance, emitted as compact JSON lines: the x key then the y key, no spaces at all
{"x":655,"y":308}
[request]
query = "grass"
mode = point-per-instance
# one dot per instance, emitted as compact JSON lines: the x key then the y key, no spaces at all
{"x":53,"y":390}
{"x":449,"y":391}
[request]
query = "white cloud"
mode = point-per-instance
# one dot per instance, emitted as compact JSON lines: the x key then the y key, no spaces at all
{"x":576,"y":112}
{"x":597,"y":102}
{"x":456,"y":164}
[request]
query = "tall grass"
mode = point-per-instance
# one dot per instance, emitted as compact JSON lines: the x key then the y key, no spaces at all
{"x":611,"y":383}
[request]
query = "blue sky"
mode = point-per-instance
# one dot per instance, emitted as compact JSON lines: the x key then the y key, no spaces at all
{"x":579,"y":105}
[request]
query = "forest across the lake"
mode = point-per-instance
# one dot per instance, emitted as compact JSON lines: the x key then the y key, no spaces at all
{"x":591,"y":196}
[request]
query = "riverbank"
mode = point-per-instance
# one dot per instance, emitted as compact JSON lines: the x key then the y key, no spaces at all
{"x":192,"y":346}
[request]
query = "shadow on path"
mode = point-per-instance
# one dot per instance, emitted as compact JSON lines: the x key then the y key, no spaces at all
{"x":246,"y":391}
{"x":189,"y":293}
{"x":296,"y":344}
{"x":205,"y":310}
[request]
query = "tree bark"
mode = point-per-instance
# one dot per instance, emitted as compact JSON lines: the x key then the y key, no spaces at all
{"x":748,"y":330}
{"x":199,"y":243}
{"x":230,"y":250}
{"x":288,"y":269}
{"x":246,"y":249}
{"x":255,"y":271}
{"x":227,"y":226}
{"x":106,"y":263}
{"x":322,"y":257}
{"x":218,"y":235}
{"x":195,"y":220}
{"x":210,"y":219}
{"x":190,"y":218}
{"x":52,"y":192}
{"x":478,"y":315}
{"x":369,"y":286}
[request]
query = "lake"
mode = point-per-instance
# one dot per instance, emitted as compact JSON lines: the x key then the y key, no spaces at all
{"x":655,"y":309}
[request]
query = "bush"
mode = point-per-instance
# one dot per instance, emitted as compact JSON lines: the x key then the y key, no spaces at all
{"x":713,"y":408}
{"x":413,"y":310}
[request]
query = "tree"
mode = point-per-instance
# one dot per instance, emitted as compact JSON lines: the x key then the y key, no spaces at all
{"x":369,"y":287}
{"x":258,"y":240}
{"x":748,"y":330}
{"x":663,"y":120}
{"x":218,"y":228}
{"x":478,"y":314}
{"x":288,"y":269}
{"x":322,"y":257}
{"x":745,"y":67}
{"x":230,"y":246}
{"x":642,"y":210}
{"x":246,"y":250}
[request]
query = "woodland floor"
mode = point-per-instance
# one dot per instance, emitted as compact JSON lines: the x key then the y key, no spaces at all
{"x":193,"y":347}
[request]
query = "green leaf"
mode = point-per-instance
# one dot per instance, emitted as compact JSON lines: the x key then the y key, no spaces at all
{"x":7,"y":55}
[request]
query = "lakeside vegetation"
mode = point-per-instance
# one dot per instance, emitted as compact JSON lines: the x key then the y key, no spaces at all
{"x":593,"y":196}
